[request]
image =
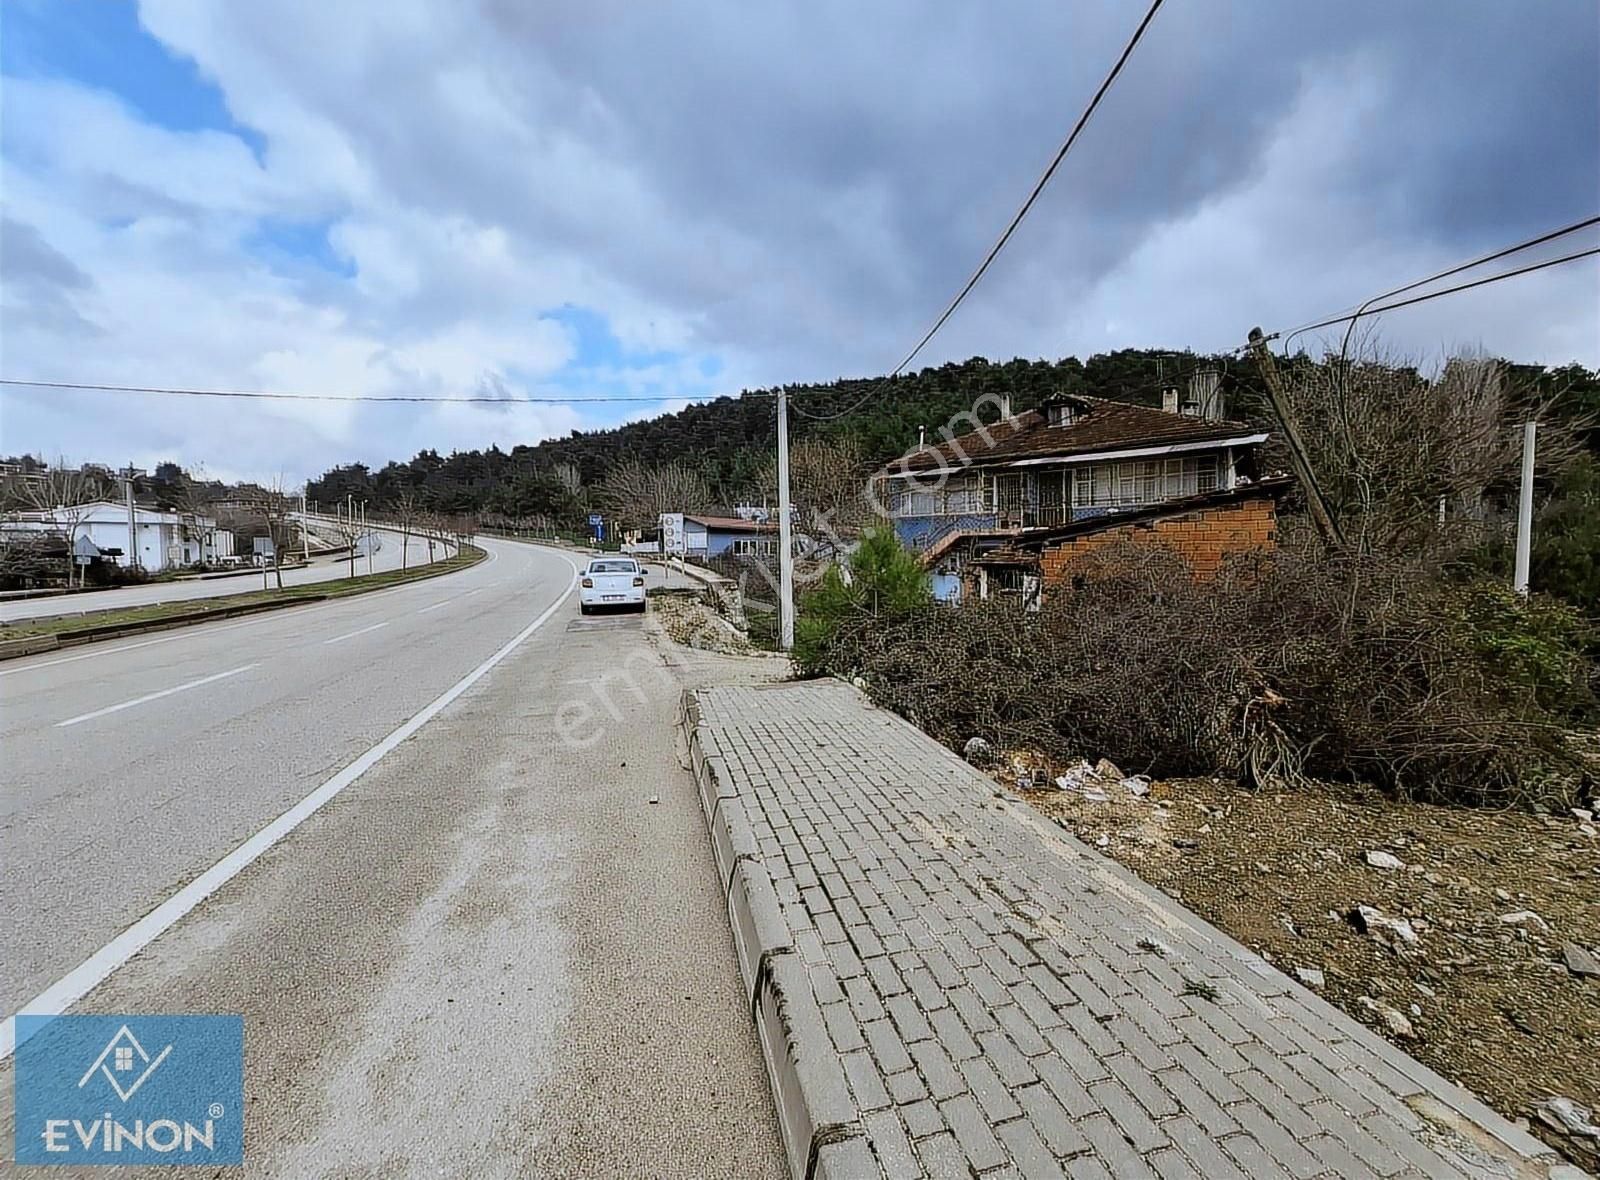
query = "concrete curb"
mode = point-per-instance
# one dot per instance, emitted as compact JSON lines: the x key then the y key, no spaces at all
{"x":27,"y":646}
{"x":195,"y":618}
{"x":822,"y":1132}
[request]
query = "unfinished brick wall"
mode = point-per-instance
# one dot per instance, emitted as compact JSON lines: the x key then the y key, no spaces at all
{"x":1203,"y":537}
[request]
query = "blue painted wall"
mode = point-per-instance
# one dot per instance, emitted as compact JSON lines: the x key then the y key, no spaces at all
{"x":946,"y":587}
{"x":918,"y":532}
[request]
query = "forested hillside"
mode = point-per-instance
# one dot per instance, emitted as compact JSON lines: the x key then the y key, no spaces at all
{"x":730,"y":438}
{"x":727,"y":441}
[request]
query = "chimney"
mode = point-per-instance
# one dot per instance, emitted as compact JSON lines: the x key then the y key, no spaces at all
{"x":1169,"y":399}
{"x":922,"y":437}
{"x":1205,"y":395}
{"x":1005,"y":407}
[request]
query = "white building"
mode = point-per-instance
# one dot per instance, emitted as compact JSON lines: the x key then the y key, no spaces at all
{"x":158,"y":540}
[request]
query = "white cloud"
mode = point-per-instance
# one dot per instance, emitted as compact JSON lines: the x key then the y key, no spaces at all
{"x":794,"y":193}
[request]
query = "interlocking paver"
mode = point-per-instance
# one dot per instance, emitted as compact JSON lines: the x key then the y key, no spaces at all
{"x":991,"y":1092}
{"x":982,"y":979}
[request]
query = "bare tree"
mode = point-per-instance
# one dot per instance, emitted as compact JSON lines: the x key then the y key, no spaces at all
{"x":1397,"y":452}
{"x":275,"y":509}
{"x":567,"y":476}
{"x":826,"y":480}
{"x":347,"y":528}
{"x":194,"y":498}
{"x":64,"y":495}
{"x":407,"y":510}
{"x":638,"y":493}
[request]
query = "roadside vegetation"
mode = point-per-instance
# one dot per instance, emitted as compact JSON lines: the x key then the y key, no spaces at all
{"x":1401,"y":660}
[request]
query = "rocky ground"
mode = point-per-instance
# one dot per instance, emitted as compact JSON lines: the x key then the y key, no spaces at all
{"x":1475,"y":950}
{"x":688,"y":620}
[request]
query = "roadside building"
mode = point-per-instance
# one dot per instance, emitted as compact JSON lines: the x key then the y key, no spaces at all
{"x":700,"y":535}
{"x":156,"y":541}
{"x":1009,"y":508}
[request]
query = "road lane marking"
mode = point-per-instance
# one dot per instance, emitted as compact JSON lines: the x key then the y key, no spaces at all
{"x":448,"y":601}
{"x":353,"y":634}
{"x":78,"y":982}
{"x":156,"y":696}
{"x":188,"y":633}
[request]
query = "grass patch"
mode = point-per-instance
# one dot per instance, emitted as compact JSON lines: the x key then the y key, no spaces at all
{"x":135,"y":616}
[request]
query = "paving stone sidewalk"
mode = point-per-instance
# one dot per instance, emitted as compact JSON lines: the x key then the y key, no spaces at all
{"x":946,"y":984}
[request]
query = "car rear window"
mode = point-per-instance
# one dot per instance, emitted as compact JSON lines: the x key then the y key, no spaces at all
{"x":613,"y":567}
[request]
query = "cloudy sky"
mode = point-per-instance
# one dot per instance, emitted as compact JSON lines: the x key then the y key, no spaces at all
{"x":570,"y":200}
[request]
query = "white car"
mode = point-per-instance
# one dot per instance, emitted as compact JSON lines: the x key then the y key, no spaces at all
{"x":611,"y":581}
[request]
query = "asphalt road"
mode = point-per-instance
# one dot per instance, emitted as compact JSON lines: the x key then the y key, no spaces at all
{"x":490,"y":954}
{"x":320,"y":569}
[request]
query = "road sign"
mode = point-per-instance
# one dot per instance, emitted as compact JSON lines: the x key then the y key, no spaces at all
{"x":595,"y":519}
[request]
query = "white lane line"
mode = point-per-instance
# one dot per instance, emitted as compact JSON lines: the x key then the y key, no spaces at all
{"x":353,"y":634}
{"x":448,"y":601}
{"x":78,"y":982}
{"x":156,"y":696}
{"x":209,"y":629}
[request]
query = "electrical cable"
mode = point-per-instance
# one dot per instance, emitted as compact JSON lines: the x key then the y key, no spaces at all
{"x":1366,"y":308}
{"x":1000,"y":244}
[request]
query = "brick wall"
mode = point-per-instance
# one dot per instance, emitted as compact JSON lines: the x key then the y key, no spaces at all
{"x":1202,"y":537}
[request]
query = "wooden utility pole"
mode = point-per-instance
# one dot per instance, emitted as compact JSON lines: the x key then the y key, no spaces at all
{"x":1321,"y":513}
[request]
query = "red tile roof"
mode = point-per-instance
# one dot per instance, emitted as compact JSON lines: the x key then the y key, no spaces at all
{"x":732,"y":524}
{"x":1102,"y":425}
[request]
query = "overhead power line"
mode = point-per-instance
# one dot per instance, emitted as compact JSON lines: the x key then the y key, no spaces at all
{"x":1367,"y":308}
{"x":485,"y":399}
{"x":1011,"y":227}
{"x":1483,"y":282}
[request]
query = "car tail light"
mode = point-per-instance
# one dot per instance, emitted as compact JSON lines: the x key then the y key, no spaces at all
{"x":638,"y":581}
{"x":588,"y":583}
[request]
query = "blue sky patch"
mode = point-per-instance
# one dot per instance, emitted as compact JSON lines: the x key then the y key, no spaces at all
{"x":288,"y":246}
{"x":101,"y":44}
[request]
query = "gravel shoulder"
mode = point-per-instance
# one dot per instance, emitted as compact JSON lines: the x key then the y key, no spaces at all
{"x":1484,"y":995}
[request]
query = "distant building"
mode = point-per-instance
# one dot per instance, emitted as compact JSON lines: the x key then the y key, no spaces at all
{"x":694,"y":534}
{"x":161,"y":540}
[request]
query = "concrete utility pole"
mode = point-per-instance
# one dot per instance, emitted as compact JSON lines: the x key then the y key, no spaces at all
{"x":1519,"y":580}
{"x":305,"y":537}
{"x":785,"y":540}
{"x":127,"y":474}
{"x":1321,"y":513}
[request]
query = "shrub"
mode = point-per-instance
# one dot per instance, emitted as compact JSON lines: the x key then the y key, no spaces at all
{"x":885,"y":583}
{"x":1354,"y":669}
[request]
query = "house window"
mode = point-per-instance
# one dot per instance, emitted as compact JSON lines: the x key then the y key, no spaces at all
{"x":1008,"y":493}
{"x":1133,"y":482}
{"x":1062,"y":415}
{"x":754,"y":546}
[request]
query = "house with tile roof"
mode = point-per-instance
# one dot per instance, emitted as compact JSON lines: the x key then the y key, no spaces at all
{"x":702,"y":535}
{"x":992,"y":510}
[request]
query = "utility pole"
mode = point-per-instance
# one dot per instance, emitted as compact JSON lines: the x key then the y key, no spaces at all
{"x":127,"y":474}
{"x":305,"y":537}
{"x":785,"y":539}
{"x":1519,"y":580}
{"x":1321,"y":513}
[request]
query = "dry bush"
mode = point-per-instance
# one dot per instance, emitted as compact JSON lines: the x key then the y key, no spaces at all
{"x":1391,"y":447}
{"x":1356,"y":669}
